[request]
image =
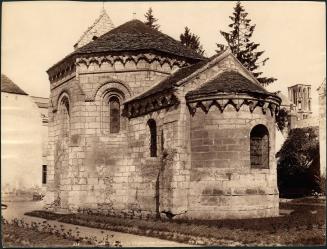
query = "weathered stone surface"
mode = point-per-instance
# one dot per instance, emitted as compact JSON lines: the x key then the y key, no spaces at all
{"x":202,"y":168}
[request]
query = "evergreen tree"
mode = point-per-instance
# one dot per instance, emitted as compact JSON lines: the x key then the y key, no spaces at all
{"x":191,"y":41}
{"x":242,"y":47}
{"x":151,"y":20}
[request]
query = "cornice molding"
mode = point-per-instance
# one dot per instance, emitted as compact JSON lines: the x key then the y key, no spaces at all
{"x":150,"y":104}
{"x":69,"y":65}
{"x":112,"y":59}
{"x":221,"y":101}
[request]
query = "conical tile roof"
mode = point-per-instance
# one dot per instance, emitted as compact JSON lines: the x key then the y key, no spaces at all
{"x":133,"y":36}
{"x":136,"y":36}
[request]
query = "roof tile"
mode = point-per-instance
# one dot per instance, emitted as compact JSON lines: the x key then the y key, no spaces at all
{"x":135,"y":35}
{"x":229,"y":82}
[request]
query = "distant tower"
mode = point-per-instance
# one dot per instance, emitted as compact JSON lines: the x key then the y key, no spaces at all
{"x":101,"y":26}
{"x":300,"y":96}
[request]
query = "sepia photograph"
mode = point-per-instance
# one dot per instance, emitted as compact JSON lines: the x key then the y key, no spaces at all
{"x":163,"y":124}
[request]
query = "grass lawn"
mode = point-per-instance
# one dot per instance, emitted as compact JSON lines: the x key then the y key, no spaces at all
{"x":304,"y":226}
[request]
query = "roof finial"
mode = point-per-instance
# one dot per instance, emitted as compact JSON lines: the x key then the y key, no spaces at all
{"x":134,"y":15}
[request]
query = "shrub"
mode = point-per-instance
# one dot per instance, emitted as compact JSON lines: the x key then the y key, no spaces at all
{"x":298,"y":163}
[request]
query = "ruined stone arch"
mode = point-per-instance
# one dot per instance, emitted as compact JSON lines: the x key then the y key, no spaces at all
{"x":153,"y":146}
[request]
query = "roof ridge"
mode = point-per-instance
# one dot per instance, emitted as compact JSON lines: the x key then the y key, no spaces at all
{"x":186,"y":74}
{"x":156,"y":84}
{"x":248,"y":72}
{"x":212,"y":61}
{"x":174,"y":74}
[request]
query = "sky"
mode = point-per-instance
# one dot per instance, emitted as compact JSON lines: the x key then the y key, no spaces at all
{"x":36,"y":35}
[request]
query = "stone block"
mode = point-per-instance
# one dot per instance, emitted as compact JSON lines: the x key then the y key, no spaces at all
{"x":76,"y":188}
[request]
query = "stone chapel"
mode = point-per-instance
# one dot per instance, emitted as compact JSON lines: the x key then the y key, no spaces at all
{"x":138,"y":123}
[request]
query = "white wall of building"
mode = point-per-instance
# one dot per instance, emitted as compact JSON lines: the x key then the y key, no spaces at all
{"x":21,"y":143}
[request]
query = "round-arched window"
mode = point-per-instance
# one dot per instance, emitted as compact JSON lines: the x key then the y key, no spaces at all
{"x":114,"y":106}
{"x":153,"y":137}
{"x":259,"y":147}
{"x":64,"y":118}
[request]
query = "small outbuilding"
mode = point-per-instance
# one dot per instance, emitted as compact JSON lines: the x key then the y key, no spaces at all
{"x":140,"y":124}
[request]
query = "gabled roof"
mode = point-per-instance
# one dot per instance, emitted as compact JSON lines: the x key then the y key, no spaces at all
{"x":229,"y":82}
{"x":168,"y":83}
{"x":136,"y":36}
{"x":8,"y":86}
{"x":102,"y":25}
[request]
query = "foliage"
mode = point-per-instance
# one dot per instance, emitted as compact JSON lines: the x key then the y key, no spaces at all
{"x":191,"y":41}
{"x":298,"y":163}
{"x":281,"y":119}
{"x":238,"y":40}
{"x":304,"y":226}
{"x":17,"y":232}
{"x":151,"y":20}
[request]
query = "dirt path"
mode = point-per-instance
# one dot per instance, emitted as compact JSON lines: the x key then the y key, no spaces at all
{"x":17,"y":210}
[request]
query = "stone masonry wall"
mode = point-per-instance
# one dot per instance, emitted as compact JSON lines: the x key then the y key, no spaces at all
{"x":138,"y":74}
{"x":223,"y":184}
{"x":60,"y":178}
{"x":166,"y":175}
{"x":220,"y":182}
{"x":102,"y":170}
{"x":148,"y":172}
{"x":202,"y":168}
